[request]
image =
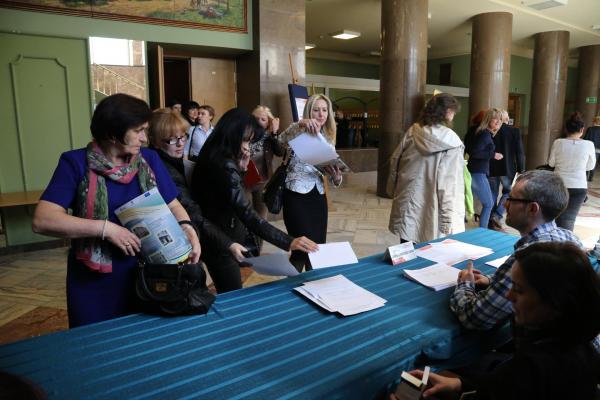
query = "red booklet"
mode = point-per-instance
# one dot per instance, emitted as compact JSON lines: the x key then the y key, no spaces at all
{"x":252,"y":177}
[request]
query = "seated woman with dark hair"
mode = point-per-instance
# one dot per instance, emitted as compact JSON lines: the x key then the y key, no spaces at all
{"x":556,"y":300}
{"x":168,"y":137}
{"x":217,"y":187}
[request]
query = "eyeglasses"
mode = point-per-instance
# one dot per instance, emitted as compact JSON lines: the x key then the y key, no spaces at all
{"x":173,"y":141}
{"x":519,"y":200}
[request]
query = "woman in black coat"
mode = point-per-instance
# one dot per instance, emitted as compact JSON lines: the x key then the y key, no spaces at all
{"x":168,"y":135}
{"x":217,"y":187}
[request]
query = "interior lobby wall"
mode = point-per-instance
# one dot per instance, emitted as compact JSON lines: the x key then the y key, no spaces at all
{"x":51,"y":51}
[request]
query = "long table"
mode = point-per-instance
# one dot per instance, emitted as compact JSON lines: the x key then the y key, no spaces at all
{"x":263,"y":342}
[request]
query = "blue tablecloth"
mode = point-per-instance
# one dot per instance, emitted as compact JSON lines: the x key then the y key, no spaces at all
{"x":263,"y":342}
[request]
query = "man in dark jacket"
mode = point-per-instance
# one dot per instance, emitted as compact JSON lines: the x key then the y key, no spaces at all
{"x":502,"y":172}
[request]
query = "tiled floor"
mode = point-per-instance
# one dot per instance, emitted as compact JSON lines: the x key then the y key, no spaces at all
{"x":32,"y":285}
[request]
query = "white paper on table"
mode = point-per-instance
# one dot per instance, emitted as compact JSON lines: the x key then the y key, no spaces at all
{"x":332,"y":254}
{"x":302,"y":290}
{"x":313,"y":149}
{"x":436,"y":277}
{"x":452,"y":252}
{"x":338,"y":293}
{"x":277,"y":264}
{"x":497,"y":262}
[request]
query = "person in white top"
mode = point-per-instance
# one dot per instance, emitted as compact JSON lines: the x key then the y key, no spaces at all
{"x":197,"y":134}
{"x":571,"y":157}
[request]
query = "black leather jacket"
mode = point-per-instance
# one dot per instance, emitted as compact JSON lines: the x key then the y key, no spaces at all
{"x":210,"y":235}
{"x":217,"y":187}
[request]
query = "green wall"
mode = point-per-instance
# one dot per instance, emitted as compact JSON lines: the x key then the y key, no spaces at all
{"x":46,"y":105}
{"x":521,"y":72}
{"x":317,"y":66}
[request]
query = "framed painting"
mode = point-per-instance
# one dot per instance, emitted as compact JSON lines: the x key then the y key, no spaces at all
{"x":222,"y":15}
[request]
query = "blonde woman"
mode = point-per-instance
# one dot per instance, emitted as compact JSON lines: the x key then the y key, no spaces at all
{"x":304,"y":202}
{"x":261,"y":154}
{"x":481,"y":150}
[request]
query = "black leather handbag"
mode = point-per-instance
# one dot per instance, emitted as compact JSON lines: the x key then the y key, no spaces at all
{"x":273,"y":191}
{"x":173,"y":289}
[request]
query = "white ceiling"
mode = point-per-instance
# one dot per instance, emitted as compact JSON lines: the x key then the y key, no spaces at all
{"x":449,"y":26}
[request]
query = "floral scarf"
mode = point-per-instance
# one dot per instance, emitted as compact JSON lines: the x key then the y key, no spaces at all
{"x":92,"y":201}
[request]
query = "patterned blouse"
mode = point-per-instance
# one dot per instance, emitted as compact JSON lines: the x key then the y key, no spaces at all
{"x":301,"y":177}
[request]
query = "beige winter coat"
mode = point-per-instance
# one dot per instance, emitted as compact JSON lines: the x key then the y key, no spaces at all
{"x":427,"y":185}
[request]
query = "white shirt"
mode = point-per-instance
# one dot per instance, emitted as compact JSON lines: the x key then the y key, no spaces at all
{"x":196,"y":138}
{"x":570,"y":159}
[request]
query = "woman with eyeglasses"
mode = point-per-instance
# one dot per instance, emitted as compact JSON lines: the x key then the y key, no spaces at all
{"x":168,"y":136}
{"x":113,"y":169}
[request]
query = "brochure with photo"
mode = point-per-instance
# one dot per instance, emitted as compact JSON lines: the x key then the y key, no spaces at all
{"x":150,"y":219}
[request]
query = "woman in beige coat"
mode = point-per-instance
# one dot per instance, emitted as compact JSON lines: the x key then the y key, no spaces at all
{"x":426,"y":176}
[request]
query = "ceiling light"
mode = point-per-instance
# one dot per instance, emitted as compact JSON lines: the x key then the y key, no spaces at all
{"x":309,"y":46}
{"x":596,"y":27}
{"x":345,"y":34}
{"x":543,"y":4}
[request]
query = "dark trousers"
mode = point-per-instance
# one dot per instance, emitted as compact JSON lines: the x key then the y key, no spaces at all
{"x":566,"y":220}
{"x":498,"y":209}
{"x":224,"y":270}
{"x":305,"y":215}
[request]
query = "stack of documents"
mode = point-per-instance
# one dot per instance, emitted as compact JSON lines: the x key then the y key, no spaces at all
{"x":452,"y":252}
{"x":339,"y":294}
{"x":436,"y":277}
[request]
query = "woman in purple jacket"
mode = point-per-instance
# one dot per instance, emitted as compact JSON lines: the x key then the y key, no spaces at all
{"x":113,"y":169}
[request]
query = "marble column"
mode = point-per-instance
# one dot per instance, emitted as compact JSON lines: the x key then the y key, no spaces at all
{"x":491,"y":39}
{"x":402,"y":75}
{"x":263,"y":75}
{"x":588,"y":82}
{"x":548,"y":89}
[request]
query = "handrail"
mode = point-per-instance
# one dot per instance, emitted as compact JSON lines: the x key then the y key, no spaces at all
{"x":116,"y":74}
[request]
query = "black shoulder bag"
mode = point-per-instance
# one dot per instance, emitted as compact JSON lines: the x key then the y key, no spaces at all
{"x":173,"y":289}
{"x":273,"y":191}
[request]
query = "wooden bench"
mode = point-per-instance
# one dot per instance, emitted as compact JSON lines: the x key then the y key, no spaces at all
{"x":14,"y":199}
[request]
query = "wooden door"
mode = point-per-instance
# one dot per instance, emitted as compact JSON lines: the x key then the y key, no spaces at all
{"x":514,"y":109}
{"x":213,"y":83}
{"x":156,"y":75}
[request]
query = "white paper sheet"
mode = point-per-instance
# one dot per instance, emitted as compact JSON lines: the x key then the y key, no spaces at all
{"x":300,"y":104}
{"x":338,"y":293}
{"x":497,"y":262}
{"x":436,"y":277}
{"x":276,"y":264}
{"x":452,"y":252}
{"x":332,"y":254}
{"x":313,"y":149}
